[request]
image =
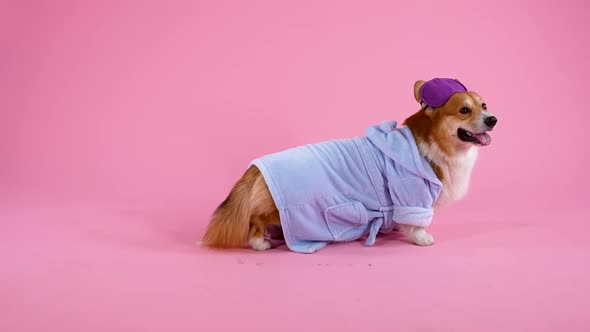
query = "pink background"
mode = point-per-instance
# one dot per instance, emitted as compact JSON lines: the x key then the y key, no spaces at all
{"x":124,"y":123}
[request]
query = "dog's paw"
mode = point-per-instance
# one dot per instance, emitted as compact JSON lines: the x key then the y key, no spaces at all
{"x":259,"y":243}
{"x":423,"y":239}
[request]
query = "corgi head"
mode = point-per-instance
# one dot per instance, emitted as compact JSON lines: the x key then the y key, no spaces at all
{"x":451,"y":118}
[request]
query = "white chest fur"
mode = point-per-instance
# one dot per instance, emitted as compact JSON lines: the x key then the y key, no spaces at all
{"x":456,"y":172}
{"x":456,"y":175}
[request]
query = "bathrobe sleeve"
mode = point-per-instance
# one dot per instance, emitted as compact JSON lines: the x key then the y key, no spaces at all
{"x":412,"y":201}
{"x":413,"y":185}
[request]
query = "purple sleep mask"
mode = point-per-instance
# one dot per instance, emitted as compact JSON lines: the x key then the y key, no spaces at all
{"x":437,"y":91}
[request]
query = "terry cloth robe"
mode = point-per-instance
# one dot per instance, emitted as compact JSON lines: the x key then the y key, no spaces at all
{"x":342,"y":190}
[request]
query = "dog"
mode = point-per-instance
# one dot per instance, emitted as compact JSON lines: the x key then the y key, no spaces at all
{"x":345,"y":189}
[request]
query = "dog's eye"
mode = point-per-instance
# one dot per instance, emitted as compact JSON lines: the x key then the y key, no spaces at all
{"x":465,"y":110}
{"x":484,"y":106}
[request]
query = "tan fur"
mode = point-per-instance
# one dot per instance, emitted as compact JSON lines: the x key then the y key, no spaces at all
{"x":245,"y":213}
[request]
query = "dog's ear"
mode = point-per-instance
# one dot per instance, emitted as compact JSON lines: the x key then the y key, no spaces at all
{"x":417,"y":86}
{"x":429,"y":111}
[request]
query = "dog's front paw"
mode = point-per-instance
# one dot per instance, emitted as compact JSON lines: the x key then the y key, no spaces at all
{"x":423,"y":239}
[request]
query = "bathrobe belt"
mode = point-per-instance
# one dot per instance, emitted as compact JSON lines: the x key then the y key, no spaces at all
{"x":380,"y":220}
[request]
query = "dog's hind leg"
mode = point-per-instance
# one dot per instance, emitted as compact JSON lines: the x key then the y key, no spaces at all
{"x":258,"y":227}
{"x":256,"y":236}
{"x":264,"y":213}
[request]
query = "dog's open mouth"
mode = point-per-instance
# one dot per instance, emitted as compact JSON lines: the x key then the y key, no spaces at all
{"x":479,"y":139}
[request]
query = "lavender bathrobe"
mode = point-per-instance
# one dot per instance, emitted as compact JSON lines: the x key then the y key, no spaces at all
{"x":342,"y":190}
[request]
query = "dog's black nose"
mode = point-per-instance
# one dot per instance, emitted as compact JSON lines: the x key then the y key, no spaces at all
{"x":490,"y":121}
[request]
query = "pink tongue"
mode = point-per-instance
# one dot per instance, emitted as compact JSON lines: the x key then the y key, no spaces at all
{"x":483,"y":138}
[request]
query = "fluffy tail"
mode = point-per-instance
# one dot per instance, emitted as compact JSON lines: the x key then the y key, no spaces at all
{"x":230,"y":224}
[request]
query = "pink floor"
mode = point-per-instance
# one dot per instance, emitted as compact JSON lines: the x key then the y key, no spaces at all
{"x":81,"y":268}
{"x":124,"y":123}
